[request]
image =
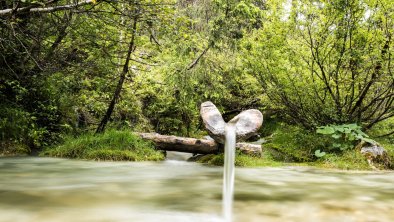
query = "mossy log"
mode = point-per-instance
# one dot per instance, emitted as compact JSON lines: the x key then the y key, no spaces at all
{"x":193,"y":145}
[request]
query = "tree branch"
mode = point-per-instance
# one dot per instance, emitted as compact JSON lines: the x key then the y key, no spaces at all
{"x":387,"y":134}
{"x":30,"y":9}
{"x":194,"y":63}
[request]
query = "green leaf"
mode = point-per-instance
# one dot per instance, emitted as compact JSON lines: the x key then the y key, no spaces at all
{"x":318,"y":153}
{"x":345,"y":147}
{"x":336,"y":136}
{"x":347,"y":131}
{"x":336,"y":145}
{"x":358,"y":136}
{"x":371,"y":141}
{"x":361,"y":133}
{"x":352,"y":137}
{"x":340,"y":129}
{"x":325,"y":130}
{"x":352,"y":126}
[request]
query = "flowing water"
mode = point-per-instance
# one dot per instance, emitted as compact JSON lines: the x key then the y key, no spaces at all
{"x":52,"y":190}
{"x":228,"y":172}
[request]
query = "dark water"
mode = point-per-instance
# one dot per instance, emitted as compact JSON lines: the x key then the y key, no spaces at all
{"x":46,"y":189}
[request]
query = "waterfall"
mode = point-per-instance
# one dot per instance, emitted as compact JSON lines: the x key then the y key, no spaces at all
{"x":228,"y":174}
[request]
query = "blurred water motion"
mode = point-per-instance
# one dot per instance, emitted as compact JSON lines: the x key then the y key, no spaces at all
{"x":46,"y":189}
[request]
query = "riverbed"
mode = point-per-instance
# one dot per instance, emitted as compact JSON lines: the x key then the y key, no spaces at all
{"x":34,"y":189}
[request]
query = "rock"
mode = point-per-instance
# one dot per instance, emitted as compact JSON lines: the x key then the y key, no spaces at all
{"x":196,"y":158}
{"x":247,"y":122}
{"x":213,"y":121}
{"x":376,"y":155}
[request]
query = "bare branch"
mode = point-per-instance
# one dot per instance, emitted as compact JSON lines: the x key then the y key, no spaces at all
{"x":29,"y":9}
{"x":194,"y":63}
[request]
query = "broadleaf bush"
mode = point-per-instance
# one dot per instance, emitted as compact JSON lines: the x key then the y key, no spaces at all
{"x":343,"y":137}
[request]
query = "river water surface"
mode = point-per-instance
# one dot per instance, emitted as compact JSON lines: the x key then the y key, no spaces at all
{"x":36,"y":189}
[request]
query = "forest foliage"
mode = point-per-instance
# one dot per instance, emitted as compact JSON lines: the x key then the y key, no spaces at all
{"x":77,"y":66}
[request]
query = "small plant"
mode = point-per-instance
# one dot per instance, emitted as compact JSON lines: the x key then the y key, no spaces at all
{"x":343,"y":136}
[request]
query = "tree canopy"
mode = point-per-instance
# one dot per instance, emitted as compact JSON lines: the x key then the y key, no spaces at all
{"x":68,"y":66}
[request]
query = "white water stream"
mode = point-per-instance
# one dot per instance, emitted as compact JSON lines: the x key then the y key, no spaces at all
{"x":228,"y":172}
{"x":34,"y":189}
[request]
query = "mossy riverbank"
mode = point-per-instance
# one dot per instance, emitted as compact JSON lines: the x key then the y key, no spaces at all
{"x":292,"y":147}
{"x":113,"y":145}
{"x":348,"y":160}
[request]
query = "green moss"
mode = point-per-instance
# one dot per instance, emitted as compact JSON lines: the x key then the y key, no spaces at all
{"x":112,"y":145}
{"x":241,"y":160}
{"x":252,"y":161}
{"x":388,"y":144}
{"x":295,"y":144}
{"x":348,"y":160}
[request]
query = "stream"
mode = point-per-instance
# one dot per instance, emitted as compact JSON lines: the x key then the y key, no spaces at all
{"x":34,"y":189}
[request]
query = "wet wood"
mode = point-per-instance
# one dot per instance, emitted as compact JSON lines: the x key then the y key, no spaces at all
{"x":193,"y":145}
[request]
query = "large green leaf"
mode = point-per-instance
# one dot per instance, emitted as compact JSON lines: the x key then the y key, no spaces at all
{"x":336,"y":136}
{"x":371,"y":141}
{"x":325,"y":130}
{"x":352,"y":126}
{"x":318,"y":153}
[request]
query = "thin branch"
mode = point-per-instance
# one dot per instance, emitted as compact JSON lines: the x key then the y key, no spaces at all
{"x":387,"y":134}
{"x":194,"y":63}
{"x":29,"y":9}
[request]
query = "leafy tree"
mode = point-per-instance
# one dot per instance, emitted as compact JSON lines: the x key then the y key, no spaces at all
{"x":28,"y":43}
{"x":327,"y":62}
{"x":202,"y":63}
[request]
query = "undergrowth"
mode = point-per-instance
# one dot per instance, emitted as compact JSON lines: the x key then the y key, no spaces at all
{"x":289,"y":145}
{"x":112,"y":145}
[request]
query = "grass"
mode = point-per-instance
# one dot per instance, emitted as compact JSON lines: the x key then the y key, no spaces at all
{"x":241,"y":160}
{"x":350,"y":160}
{"x":113,"y":145}
{"x":10,"y":148}
{"x":293,"y":146}
{"x":388,"y":144}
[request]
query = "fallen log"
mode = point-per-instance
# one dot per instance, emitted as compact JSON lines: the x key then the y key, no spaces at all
{"x":193,"y":145}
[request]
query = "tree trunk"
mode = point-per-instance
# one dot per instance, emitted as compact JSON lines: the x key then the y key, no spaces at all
{"x":192,"y":145}
{"x":119,"y":87}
